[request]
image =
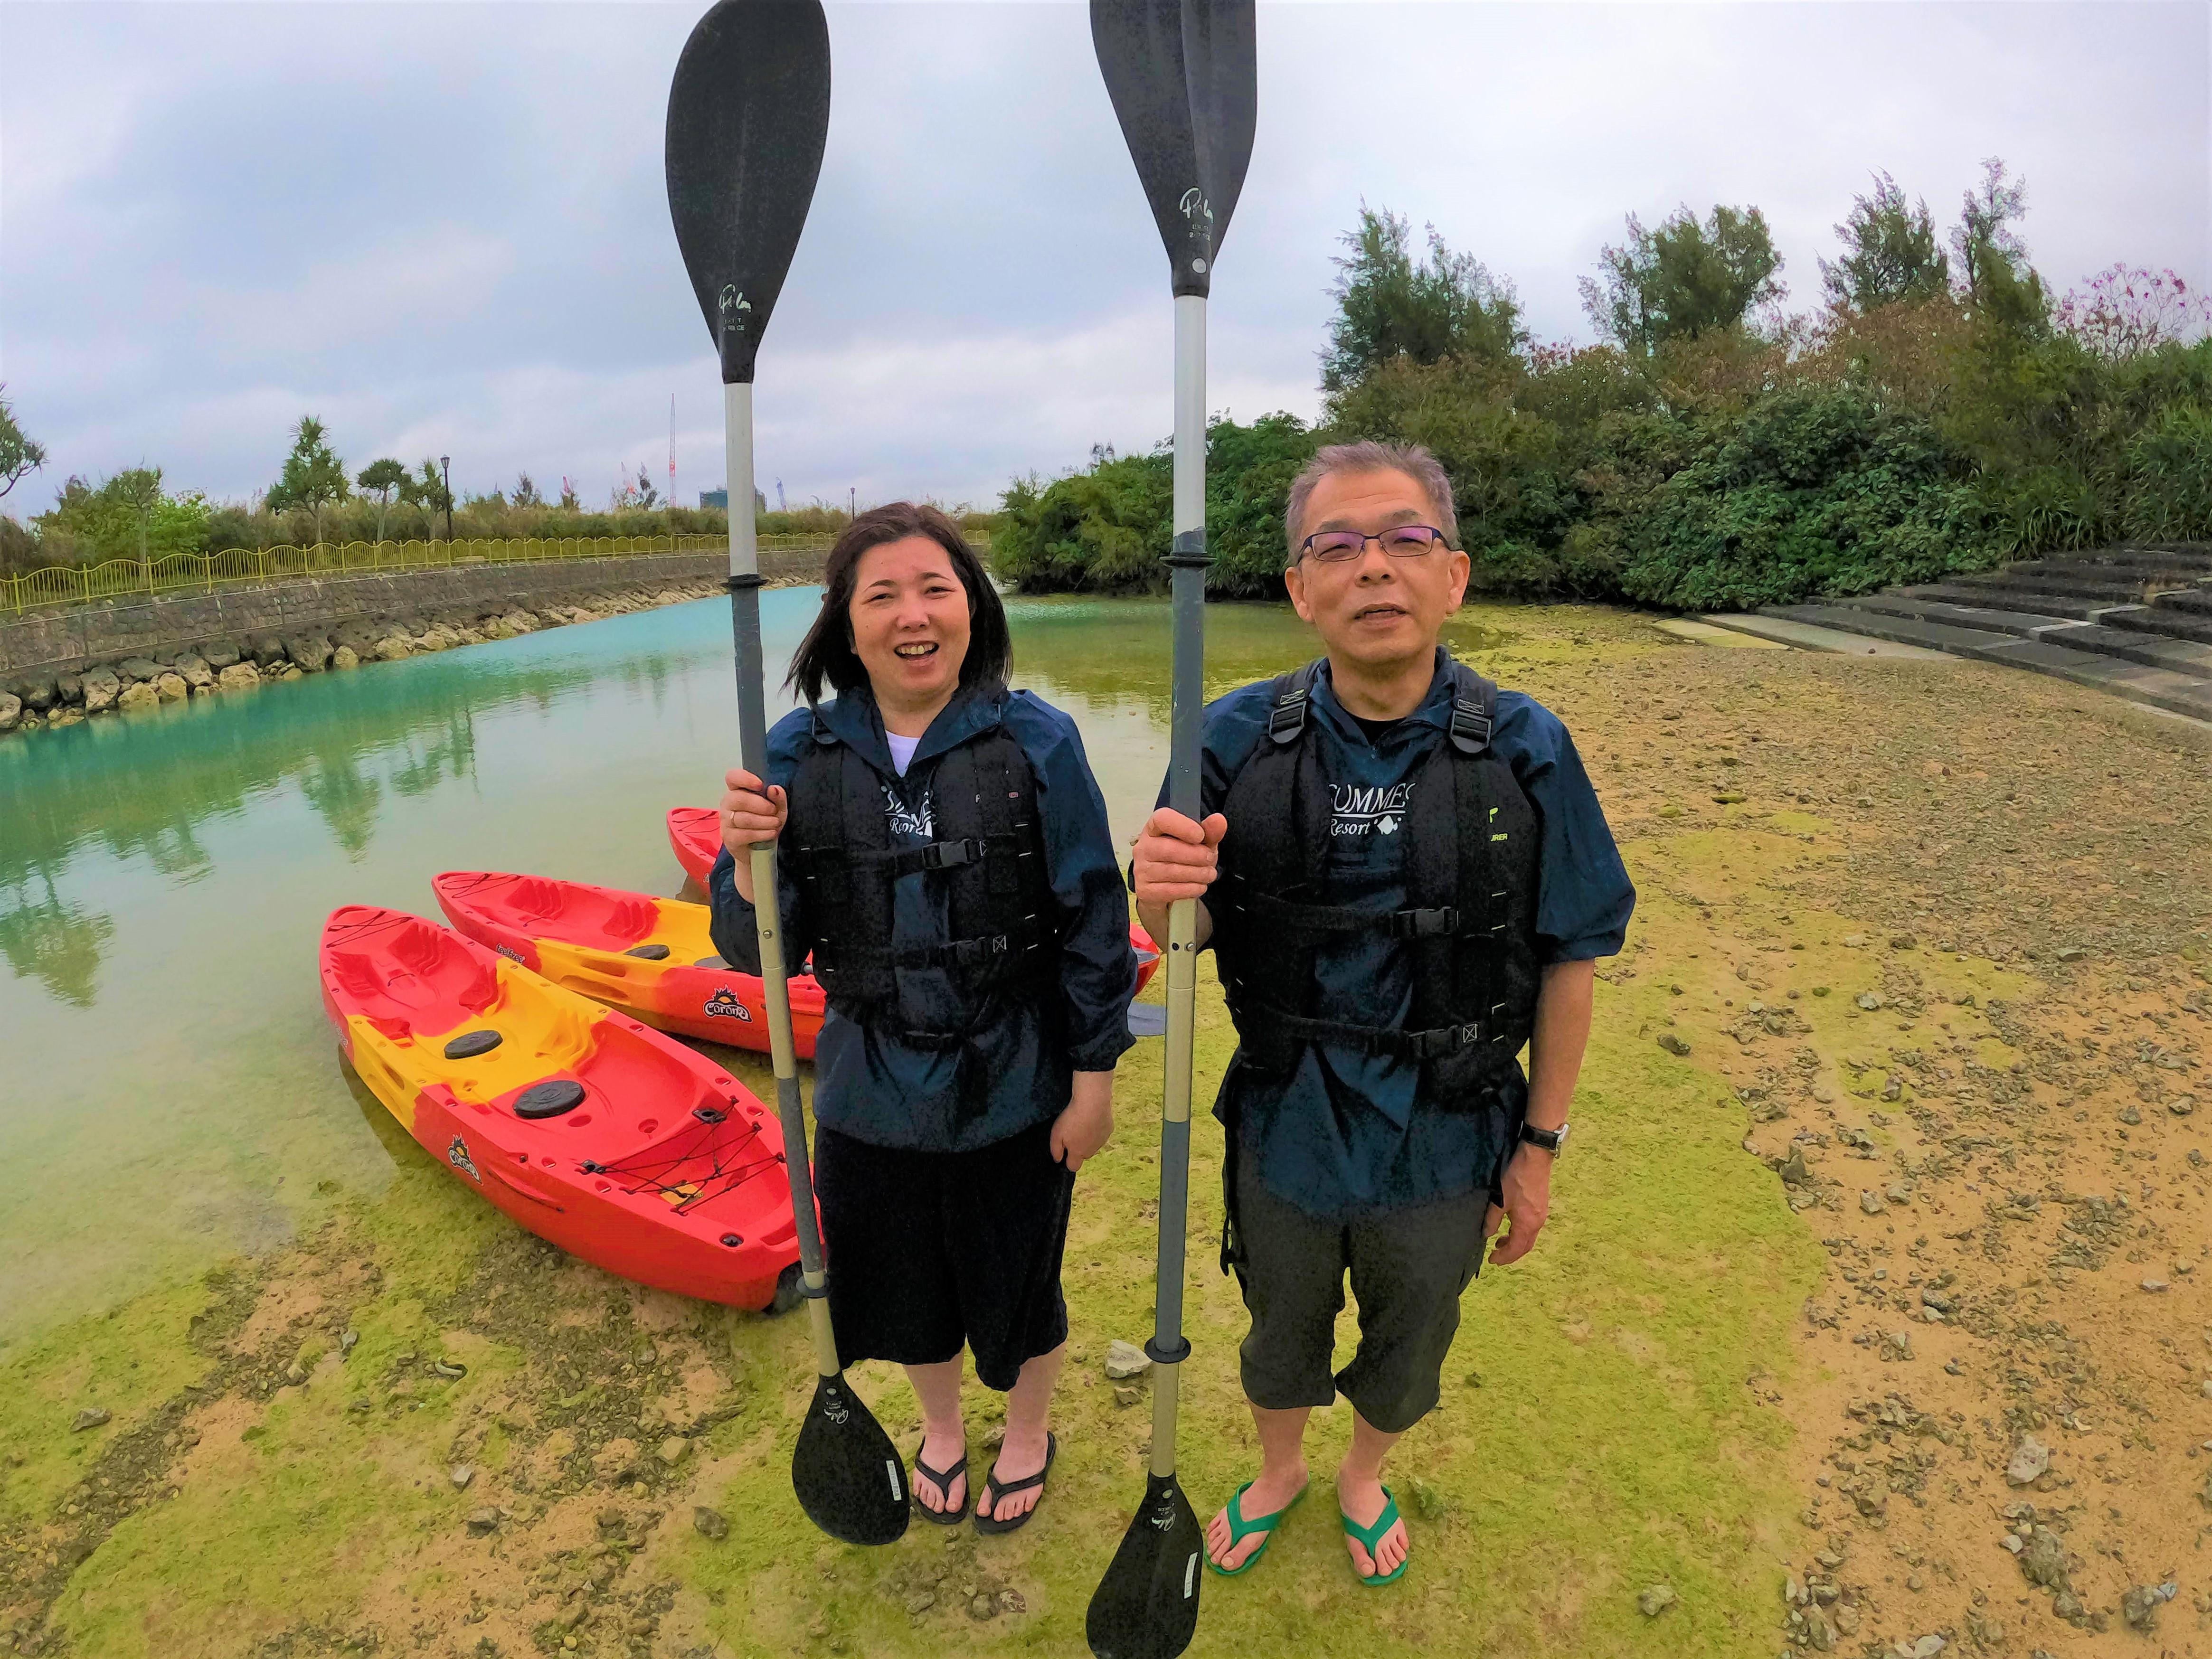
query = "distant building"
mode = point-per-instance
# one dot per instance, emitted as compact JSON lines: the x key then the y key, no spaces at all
{"x":721,"y":498}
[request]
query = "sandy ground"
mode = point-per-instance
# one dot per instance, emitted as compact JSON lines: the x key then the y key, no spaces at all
{"x":1933,"y":941}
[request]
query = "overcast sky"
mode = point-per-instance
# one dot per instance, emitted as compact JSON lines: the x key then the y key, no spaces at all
{"x":443,"y":227}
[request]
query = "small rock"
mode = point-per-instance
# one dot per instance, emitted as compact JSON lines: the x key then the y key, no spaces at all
{"x":1899,"y":1193}
{"x":1854,"y":941}
{"x":239,"y":677}
{"x":2131,"y":1117}
{"x":2155,"y":1286}
{"x":981,"y":1607}
{"x":2043,"y":1559}
{"x":1868,"y":1001}
{"x":1870,"y":1201}
{"x":2072,"y":953}
{"x":1673,"y":1043}
{"x":2030,"y":1458}
{"x":1794,"y":1171}
{"x":295,"y":1373}
{"x":1937,"y":1300}
{"x":2013,"y":1541}
{"x":1429,"y":1503}
{"x":449,"y":1369}
{"x":172,"y":688}
{"x":710,"y":1524}
{"x":344,"y":657}
{"x":994,"y":1436}
{"x":1926,"y":1648}
{"x":2139,"y":1606}
{"x":1655,"y":1600}
{"x":2182,"y":1105}
{"x":1125,"y":1360}
{"x":920,"y":1602}
{"x":1903,"y":942}
{"x":463,"y":1475}
{"x":346,"y":1341}
{"x":1009,"y":1600}
{"x":1125,"y":1394}
{"x":673,"y":1448}
{"x":482,"y":1522}
{"x":91,"y":1417}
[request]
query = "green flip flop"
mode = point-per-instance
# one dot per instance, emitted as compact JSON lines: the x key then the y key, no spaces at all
{"x":1240,"y":1529}
{"x":1370,"y":1537}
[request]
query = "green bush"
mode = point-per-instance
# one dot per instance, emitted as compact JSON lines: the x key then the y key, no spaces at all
{"x":1107,"y":530}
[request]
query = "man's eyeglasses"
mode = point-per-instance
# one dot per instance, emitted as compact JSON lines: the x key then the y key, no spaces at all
{"x":1399,"y":541}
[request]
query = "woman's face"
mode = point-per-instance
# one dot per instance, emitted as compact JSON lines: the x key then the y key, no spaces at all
{"x":910,"y":619}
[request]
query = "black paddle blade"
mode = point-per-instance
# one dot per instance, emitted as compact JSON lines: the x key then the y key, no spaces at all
{"x":1147,"y":1606}
{"x":850,"y":1479}
{"x":747,"y":117}
{"x":1183,"y":76}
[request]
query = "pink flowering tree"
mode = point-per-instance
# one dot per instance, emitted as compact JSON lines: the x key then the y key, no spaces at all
{"x":2127,"y":311}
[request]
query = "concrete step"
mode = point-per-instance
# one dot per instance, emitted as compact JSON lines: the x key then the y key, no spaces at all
{"x":2045,"y":606}
{"x":2170,"y":620}
{"x":2198,"y":601}
{"x":2020,"y":622}
{"x":2161,"y":687}
{"x":2027,"y":579}
{"x":2170,"y":570}
{"x":1901,"y":630}
{"x":2151,"y":650}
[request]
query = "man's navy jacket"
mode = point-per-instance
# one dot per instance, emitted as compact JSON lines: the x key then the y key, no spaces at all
{"x":1018,"y":1071}
{"x":1348,"y":1132}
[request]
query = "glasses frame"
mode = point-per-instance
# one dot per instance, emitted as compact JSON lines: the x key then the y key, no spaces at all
{"x":1438,"y":539}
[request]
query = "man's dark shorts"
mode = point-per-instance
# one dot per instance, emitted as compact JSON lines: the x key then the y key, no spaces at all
{"x":1408,"y":1268}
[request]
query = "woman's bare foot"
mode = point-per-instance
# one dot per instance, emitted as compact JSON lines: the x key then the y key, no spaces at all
{"x":1271,"y":1492}
{"x":1019,"y":1457}
{"x":941,"y":1452}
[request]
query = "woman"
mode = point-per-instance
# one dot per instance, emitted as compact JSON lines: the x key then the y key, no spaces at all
{"x":945,"y":858}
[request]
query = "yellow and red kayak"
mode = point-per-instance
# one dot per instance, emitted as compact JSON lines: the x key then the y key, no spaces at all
{"x":653,"y":958}
{"x":695,"y":833}
{"x":619,"y":1144}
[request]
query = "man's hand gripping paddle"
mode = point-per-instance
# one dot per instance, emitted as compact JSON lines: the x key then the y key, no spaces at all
{"x":1183,"y":76}
{"x":747,"y":117}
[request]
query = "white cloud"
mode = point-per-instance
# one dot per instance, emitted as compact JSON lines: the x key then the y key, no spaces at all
{"x":442,"y":229}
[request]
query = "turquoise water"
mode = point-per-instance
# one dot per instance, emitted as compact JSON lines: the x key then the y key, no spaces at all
{"x":170,"y":1090}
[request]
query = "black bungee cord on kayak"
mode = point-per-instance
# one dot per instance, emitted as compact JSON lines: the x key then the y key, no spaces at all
{"x":748,"y":115}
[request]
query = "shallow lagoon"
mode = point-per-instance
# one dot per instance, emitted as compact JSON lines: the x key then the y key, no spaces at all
{"x":171,"y":1091}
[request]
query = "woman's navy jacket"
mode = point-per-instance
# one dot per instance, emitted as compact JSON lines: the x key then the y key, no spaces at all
{"x":1016,"y":1072}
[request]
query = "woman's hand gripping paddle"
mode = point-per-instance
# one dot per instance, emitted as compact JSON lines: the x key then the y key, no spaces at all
{"x":1183,"y":76}
{"x":747,"y":117}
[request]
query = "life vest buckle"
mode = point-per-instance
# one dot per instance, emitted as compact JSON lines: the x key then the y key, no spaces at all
{"x":1424,"y":924}
{"x":950,"y":855}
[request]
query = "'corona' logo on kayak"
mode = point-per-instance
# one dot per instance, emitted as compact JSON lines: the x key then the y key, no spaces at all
{"x":723,"y":1005}
{"x":457,"y":1155}
{"x":510,"y":953}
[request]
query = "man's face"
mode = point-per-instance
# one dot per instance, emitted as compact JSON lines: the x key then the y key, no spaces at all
{"x":1372,"y":609}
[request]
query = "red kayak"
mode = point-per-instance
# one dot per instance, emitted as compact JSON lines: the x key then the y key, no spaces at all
{"x":695,"y":833}
{"x":650,"y":958}
{"x":621,"y":1145}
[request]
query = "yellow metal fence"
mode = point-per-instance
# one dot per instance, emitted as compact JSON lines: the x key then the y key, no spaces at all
{"x":66,"y":585}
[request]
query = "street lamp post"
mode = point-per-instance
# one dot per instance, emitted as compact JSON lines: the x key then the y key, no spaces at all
{"x":445,"y":466}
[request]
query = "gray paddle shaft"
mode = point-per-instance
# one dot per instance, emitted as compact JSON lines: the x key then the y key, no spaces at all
{"x":768,"y":915}
{"x":1188,"y":562}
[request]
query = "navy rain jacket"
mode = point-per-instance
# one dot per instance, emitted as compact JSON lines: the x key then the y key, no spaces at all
{"x":871,"y":1086}
{"x":1349,"y":1132}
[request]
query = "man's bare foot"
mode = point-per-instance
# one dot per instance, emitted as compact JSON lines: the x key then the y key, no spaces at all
{"x":1270,"y":1493}
{"x":1362,"y":1498}
{"x":941,"y":1451}
{"x":1019,"y":1457}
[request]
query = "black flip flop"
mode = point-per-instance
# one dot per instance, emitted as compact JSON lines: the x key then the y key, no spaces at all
{"x":944,"y":1480}
{"x":993,"y":1491}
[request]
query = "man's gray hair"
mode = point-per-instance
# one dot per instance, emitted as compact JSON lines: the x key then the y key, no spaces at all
{"x":1370,"y":456}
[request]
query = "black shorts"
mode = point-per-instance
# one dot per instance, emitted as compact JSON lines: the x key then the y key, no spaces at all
{"x":1408,"y":1268}
{"x":930,"y":1252}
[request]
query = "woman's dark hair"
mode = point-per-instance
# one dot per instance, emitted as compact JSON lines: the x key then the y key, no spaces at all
{"x":827,"y":654}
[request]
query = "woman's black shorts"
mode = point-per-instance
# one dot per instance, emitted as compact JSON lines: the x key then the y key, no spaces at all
{"x":930,"y":1252}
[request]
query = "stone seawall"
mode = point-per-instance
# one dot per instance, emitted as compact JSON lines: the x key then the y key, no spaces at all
{"x":58,"y":669}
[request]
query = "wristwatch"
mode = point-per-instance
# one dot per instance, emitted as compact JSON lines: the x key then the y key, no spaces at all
{"x":1551,"y":1141}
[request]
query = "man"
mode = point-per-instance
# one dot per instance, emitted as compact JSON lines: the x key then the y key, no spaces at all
{"x":1406,"y":875}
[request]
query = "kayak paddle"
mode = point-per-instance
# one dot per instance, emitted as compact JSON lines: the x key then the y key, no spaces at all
{"x":747,"y":118}
{"x":1182,"y":75}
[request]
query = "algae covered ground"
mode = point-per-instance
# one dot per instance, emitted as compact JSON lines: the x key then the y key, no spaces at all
{"x":1889,"y":1125}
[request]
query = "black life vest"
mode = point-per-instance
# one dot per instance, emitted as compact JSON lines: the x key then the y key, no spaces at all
{"x":1003,"y":938}
{"x":1470,"y":875}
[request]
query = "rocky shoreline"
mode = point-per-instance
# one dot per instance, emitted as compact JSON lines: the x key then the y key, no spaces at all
{"x":136,"y":683}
